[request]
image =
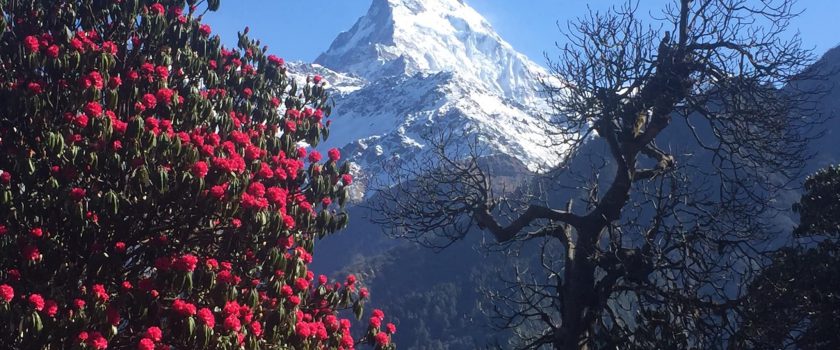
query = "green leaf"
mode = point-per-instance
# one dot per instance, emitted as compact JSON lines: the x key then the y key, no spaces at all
{"x":190,"y":326}
{"x":358,"y":309}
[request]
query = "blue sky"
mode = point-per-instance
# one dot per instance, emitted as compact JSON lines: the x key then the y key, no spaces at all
{"x":302,"y":29}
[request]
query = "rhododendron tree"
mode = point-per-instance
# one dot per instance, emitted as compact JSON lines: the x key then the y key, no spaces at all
{"x":155,"y":189}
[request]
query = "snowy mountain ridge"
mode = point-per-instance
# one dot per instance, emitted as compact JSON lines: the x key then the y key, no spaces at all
{"x":411,"y":67}
{"x":414,"y":36}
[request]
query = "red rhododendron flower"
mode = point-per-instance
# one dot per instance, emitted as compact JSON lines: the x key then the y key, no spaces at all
{"x":162,"y":72}
{"x":109,"y":47}
{"x":120,"y":126}
{"x":347,"y":341}
{"x":289,"y":222}
{"x":7,"y":292}
{"x":94,"y":79}
{"x":81,"y":120}
{"x":276,"y":60}
{"x":183,"y":308}
{"x":100,"y":293}
{"x":378,"y":314}
{"x":36,"y":232}
{"x":115,"y":82}
{"x":52,"y":51}
{"x":31,"y":43}
{"x":149,"y":101}
{"x":301,"y":284}
{"x":146,"y":344}
{"x":232,"y":323}
{"x":256,"y":189}
{"x":302,"y":330}
{"x":200,"y":169}
{"x":77,"y":45}
{"x":226,"y":277}
{"x":154,"y":333}
{"x":375,"y":322}
{"x":347,"y":179}
{"x":5,"y":177}
{"x":252,"y":152}
{"x":34,"y":88}
{"x":391,"y":328}
{"x":147,"y":68}
{"x":256,"y":328}
{"x":206,"y":316}
{"x":205,"y":30}
{"x":314,"y":157}
{"x":291,"y":126}
{"x":93,"y":109}
{"x":157,"y":9}
{"x":97,"y":341}
{"x":186,"y":263}
{"x":51,"y":308}
{"x":164,"y":96}
{"x":36,"y":301}
{"x":286,"y":290}
{"x":382,"y":339}
{"x":334,"y":154}
{"x":218,"y":191}
{"x":77,"y":194}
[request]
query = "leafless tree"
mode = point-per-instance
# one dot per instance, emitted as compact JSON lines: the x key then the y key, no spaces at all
{"x":649,"y":247}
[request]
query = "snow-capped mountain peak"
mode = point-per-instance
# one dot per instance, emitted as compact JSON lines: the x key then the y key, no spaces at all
{"x":405,"y":37}
{"x":411,"y":68}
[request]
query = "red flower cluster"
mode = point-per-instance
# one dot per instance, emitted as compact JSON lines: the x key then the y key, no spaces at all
{"x":183,"y":308}
{"x":200,"y":169}
{"x":186,"y":263}
{"x":7,"y":292}
{"x":172,"y":184}
{"x":36,"y":301}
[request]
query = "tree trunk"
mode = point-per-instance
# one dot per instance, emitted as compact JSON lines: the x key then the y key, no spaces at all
{"x":579,"y":297}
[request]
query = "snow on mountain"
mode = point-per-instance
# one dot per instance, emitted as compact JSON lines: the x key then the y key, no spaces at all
{"x":412,"y":36}
{"x":410,"y":67}
{"x":337,"y":82}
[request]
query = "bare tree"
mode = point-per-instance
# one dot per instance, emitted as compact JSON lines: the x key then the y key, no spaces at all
{"x":651,"y":247}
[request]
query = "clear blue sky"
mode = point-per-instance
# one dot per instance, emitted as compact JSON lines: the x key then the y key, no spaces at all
{"x":302,"y":29}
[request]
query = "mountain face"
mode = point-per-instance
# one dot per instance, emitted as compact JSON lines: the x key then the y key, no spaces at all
{"x":411,"y":67}
{"x":406,"y":37}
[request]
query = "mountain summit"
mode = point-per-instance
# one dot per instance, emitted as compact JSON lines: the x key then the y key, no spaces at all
{"x":425,"y":36}
{"x":409,"y":68}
